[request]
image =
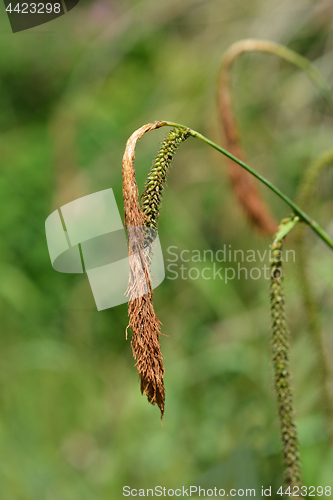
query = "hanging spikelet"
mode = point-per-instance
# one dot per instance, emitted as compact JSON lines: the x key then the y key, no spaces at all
{"x":145,"y":326}
{"x":151,"y":198}
{"x":280,"y":346}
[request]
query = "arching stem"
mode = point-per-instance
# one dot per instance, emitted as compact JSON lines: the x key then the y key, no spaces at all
{"x":296,"y":209}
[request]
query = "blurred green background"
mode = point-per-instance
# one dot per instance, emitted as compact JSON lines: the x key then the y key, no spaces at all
{"x":73,"y":424}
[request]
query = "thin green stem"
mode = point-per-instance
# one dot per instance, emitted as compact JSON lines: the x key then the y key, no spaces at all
{"x":297,"y":210}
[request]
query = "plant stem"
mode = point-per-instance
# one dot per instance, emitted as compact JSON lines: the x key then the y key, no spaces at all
{"x":297,"y":210}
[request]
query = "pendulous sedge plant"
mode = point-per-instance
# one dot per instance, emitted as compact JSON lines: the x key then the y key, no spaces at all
{"x":144,"y":212}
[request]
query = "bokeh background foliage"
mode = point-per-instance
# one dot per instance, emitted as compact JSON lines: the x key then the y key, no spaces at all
{"x":73,"y":424}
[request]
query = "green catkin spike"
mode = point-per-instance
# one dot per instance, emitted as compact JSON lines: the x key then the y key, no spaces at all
{"x":304,"y":199}
{"x":280,"y":347}
{"x":151,"y":198}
